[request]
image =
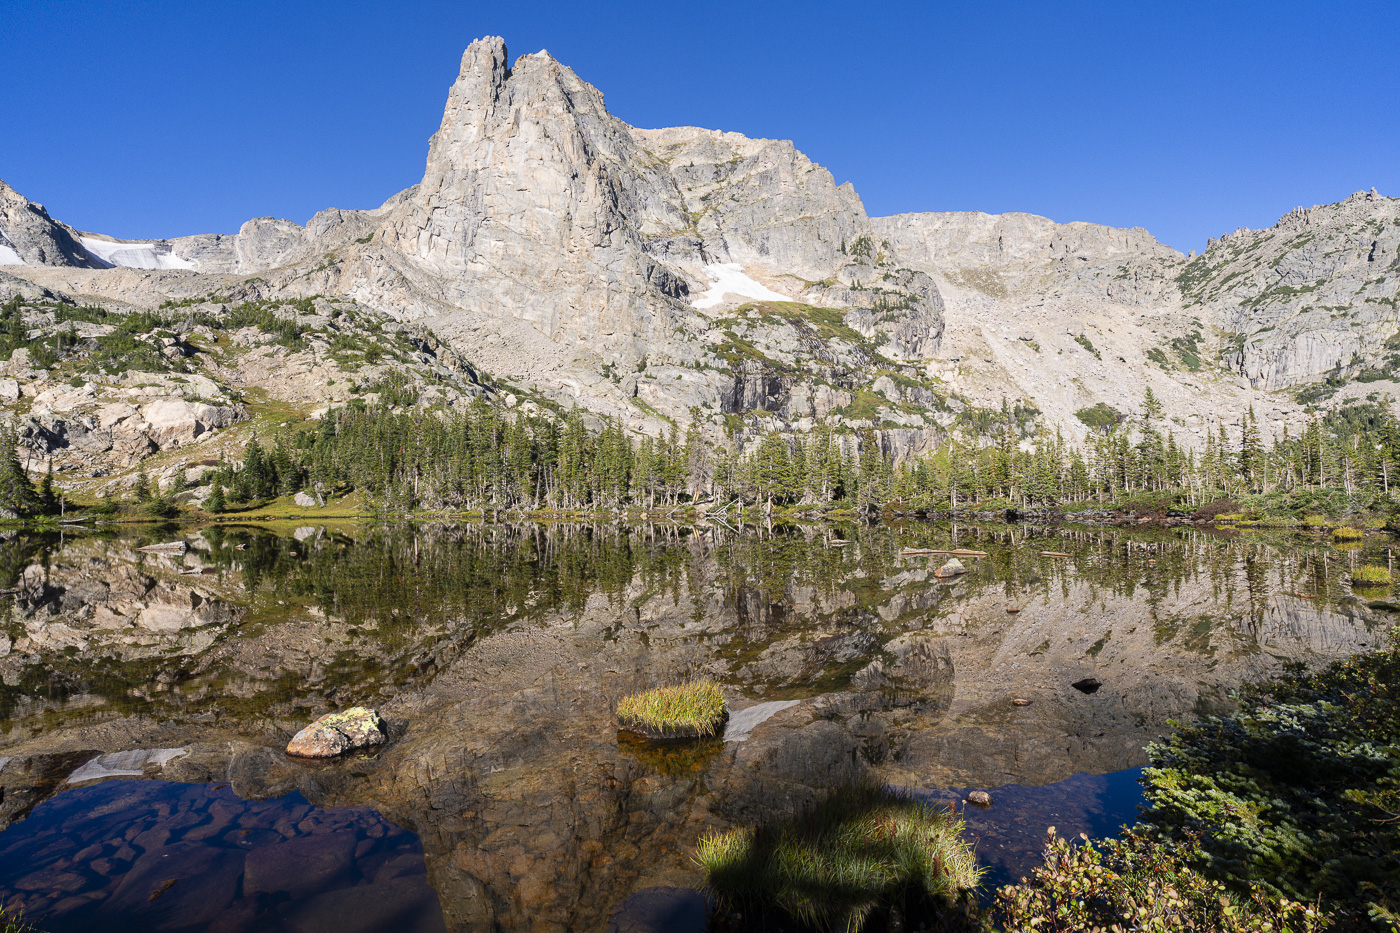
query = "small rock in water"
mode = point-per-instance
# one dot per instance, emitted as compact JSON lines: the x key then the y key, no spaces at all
{"x":1020,"y":701}
{"x":1087,"y":685}
{"x":953,"y":568}
{"x":337,"y":733}
{"x":1012,"y":610}
{"x":979,"y":798}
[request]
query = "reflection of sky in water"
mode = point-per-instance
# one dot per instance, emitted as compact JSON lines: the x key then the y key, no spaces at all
{"x":1010,"y":834}
{"x":154,"y":855}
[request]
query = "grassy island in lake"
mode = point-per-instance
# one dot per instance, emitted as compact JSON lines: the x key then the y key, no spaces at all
{"x":689,"y":710}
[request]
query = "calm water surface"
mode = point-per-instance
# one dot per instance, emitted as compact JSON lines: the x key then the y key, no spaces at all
{"x":505,"y":798}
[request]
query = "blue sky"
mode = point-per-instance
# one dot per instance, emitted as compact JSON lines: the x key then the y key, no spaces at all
{"x":146,"y":119}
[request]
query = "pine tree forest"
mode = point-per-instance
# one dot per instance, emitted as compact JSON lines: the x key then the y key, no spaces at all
{"x":484,"y":457}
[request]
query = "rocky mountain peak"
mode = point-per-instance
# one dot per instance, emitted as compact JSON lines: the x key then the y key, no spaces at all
{"x":648,"y":273}
{"x":531,"y":200}
{"x":30,"y":236}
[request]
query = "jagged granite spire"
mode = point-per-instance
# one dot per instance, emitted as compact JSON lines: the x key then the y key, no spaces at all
{"x":533,"y":201}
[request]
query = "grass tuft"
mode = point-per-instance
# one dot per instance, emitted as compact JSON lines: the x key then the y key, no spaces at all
{"x":1370,"y":575}
{"x":1347,"y":533}
{"x":864,"y":851}
{"x":14,"y":922}
{"x":687,"y":710}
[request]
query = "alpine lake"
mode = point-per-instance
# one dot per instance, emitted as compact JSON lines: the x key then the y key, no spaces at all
{"x":148,"y":698}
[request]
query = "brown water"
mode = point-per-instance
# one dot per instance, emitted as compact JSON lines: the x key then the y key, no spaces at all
{"x":498,"y":653}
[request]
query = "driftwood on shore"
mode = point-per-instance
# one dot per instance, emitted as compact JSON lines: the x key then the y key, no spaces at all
{"x":923,"y":551}
{"x":168,"y":547}
{"x":1054,"y":554}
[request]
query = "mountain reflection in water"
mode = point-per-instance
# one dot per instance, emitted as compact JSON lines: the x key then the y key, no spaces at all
{"x":497,"y":655}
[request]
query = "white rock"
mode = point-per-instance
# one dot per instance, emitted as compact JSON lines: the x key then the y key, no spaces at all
{"x":133,"y":763}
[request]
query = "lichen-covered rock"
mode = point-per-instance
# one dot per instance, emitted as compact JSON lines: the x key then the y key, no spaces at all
{"x":337,"y":733}
{"x":952,"y":568}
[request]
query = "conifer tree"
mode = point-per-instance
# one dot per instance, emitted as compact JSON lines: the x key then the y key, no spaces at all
{"x":18,"y":497}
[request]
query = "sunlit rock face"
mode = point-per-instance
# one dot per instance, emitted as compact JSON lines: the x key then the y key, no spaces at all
{"x":29,"y":236}
{"x":643,"y":274}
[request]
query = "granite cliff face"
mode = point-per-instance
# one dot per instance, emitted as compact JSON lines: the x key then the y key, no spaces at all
{"x":29,"y":236}
{"x":647,"y":273}
{"x":1316,"y":294}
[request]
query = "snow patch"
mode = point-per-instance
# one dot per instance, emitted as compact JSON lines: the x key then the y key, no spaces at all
{"x":730,"y":280}
{"x":8,"y":256}
{"x":125,"y":764}
{"x":136,"y":255}
{"x":742,"y":723}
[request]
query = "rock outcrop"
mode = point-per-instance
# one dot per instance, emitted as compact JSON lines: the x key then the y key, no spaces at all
{"x":28,"y":235}
{"x":1317,"y":294}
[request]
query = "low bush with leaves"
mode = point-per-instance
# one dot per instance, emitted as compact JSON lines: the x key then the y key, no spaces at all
{"x":1297,"y":794}
{"x":1137,"y":884}
{"x":1370,"y":575}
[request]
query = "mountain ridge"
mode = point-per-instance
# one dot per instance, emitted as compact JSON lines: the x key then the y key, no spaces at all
{"x":585,"y":261}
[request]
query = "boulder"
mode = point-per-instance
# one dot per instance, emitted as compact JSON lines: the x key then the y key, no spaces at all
{"x":953,"y":568}
{"x":337,"y":733}
{"x":176,"y":421}
{"x":306,"y":500}
{"x":979,"y":798}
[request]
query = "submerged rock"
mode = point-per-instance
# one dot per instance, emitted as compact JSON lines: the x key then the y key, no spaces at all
{"x":1087,"y":685}
{"x":337,"y":733}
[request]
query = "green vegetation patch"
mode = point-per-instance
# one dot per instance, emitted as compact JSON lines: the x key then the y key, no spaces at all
{"x":1347,"y":533}
{"x":1188,"y":350}
{"x":828,"y":323}
{"x":1298,"y":793}
{"x":862,"y":853}
{"x":1100,"y":417}
{"x":14,"y":922}
{"x":1136,"y":883}
{"x":686,"y":710}
{"x":1370,"y":575}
